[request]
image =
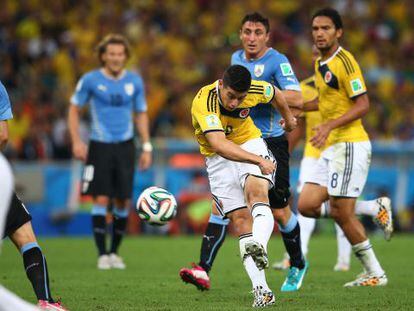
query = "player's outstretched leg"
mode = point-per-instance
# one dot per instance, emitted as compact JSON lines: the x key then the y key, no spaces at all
{"x":263,"y":296}
{"x":381,"y":211}
{"x":263,"y":223}
{"x":120,"y":218}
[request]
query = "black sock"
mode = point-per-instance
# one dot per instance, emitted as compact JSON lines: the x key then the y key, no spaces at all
{"x":99,"y":232}
{"x":212,"y":240}
{"x":292,"y":244}
{"x":118,"y":231}
{"x":36,"y":270}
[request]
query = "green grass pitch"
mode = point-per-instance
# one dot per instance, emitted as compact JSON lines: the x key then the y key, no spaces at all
{"x":151,"y":280}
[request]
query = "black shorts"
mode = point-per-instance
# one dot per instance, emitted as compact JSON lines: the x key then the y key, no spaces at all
{"x":109,"y":169}
{"x":280,"y":194}
{"x":17,"y":216}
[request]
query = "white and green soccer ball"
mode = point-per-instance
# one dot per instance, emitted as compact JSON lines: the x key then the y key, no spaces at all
{"x":156,"y":205}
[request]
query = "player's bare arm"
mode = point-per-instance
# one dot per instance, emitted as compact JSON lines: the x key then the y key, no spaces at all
{"x":142,"y":124}
{"x":312,"y":105}
{"x":79,"y":148}
{"x":289,"y":122}
{"x":4,"y":134}
{"x":234,"y":152}
{"x":296,"y":135}
{"x":294,"y":100}
{"x":357,"y":111}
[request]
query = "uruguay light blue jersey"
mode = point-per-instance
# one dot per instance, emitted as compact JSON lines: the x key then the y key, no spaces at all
{"x":274,"y":68}
{"x":112,"y":103}
{"x":5,"y":106}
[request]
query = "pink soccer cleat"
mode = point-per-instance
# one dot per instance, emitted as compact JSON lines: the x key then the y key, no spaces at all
{"x":51,"y":306}
{"x":196,"y":276}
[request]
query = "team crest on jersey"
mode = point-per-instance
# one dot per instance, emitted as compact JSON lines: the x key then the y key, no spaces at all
{"x":129,"y":89}
{"x":328,"y":76}
{"x":258,"y":70}
{"x":244,"y":113}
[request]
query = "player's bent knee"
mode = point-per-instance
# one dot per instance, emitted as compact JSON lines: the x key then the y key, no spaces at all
{"x":242,"y":220}
{"x":279,"y":198}
{"x":23,"y":235}
{"x":101,"y":200}
{"x":282,"y":215}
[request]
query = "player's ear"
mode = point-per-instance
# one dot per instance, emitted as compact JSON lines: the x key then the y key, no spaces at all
{"x":339,"y":33}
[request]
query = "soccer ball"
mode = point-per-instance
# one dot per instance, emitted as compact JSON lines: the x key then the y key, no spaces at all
{"x":156,"y":205}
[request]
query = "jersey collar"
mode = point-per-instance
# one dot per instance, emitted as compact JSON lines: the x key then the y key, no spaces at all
{"x":218,"y":93}
{"x":255,"y":59}
{"x":330,"y":58}
{"x":123,"y":73}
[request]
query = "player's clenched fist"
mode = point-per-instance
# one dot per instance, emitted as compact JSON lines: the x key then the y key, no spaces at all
{"x":267,"y":166}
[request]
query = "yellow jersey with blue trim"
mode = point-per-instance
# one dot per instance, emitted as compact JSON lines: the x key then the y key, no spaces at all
{"x":208,"y":114}
{"x":339,"y":81}
{"x":312,"y":118}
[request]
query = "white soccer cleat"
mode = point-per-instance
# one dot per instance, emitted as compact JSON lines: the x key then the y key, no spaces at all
{"x":341,"y":267}
{"x":384,"y":217}
{"x":262,"y":298}
{"x":116,"y":261}
{"x":368,"y":280}
{"x":256,"y":250}
{"x":104,"y":263}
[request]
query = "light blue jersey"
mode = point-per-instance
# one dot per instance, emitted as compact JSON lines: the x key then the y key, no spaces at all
{"x":112,"y":104}
{"x":274,"y":68}
{"x":5,"y":107}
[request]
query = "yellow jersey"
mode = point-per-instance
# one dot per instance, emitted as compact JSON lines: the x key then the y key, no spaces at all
{"x":338,"y":81}
{"x":312,"y":118}
{"x":208,"y":114}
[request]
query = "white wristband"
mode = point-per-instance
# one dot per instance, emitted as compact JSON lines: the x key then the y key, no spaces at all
{"x":147,"y":147}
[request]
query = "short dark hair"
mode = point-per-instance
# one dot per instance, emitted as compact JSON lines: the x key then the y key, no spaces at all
{"x":332,"y":14}
{"x":238,"y":78}
{"x":256,"y":17}
{"x":112,"y":39}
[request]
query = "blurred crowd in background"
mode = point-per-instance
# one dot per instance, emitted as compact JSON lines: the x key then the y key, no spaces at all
{"x":179,"y":46}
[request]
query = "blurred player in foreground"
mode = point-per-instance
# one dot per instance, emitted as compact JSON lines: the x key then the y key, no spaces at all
{"x":18,"y":225}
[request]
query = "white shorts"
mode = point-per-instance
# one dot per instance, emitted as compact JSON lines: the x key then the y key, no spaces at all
{"x":307,"y":166}
{"x":343,"y":169}
{"x":227,"y":178}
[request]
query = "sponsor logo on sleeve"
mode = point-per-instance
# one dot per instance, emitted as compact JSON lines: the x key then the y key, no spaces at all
{"x":212,"y":121}
{"x":286,"y":69}
{"x":356,"y":85}
{"x":268,"y":91}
